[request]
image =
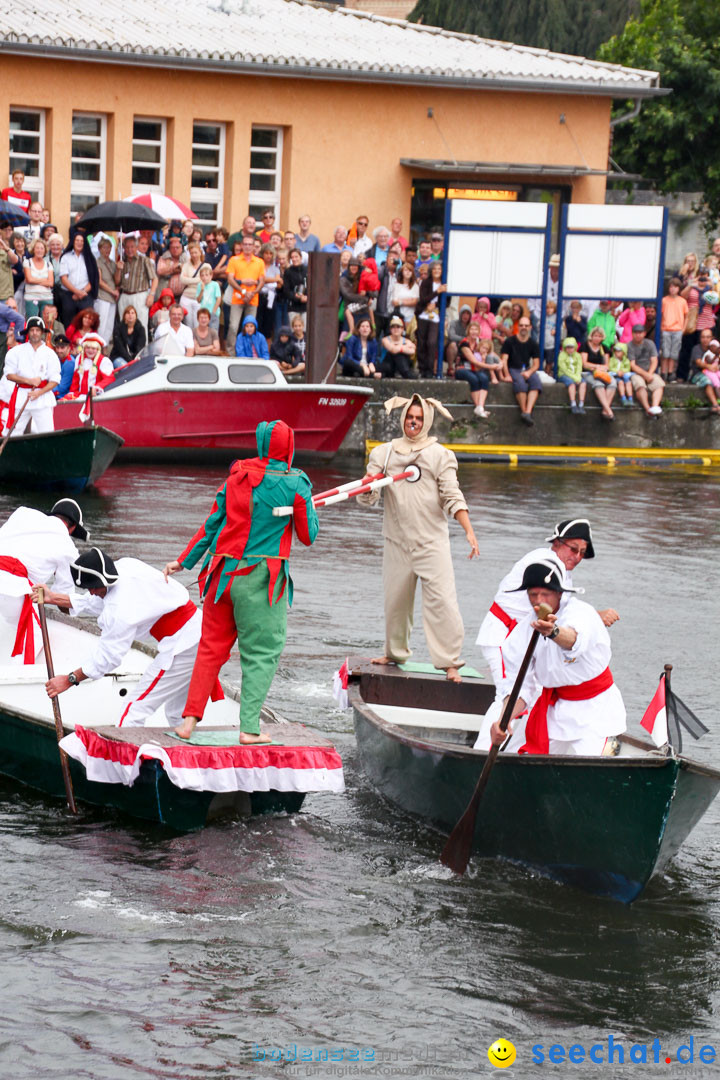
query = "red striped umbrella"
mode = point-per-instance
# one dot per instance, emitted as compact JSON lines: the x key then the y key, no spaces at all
{"x":170,"y":209}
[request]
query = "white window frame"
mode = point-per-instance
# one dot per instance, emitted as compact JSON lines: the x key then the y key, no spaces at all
{"x":268,"y":199}
{"x":34,"y":185}
{"x":213,"y":196}
{"x":138,"y":189}
{"x":90,"y":187}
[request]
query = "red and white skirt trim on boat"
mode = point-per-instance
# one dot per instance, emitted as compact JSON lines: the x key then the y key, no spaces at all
{"x":209,"y":768}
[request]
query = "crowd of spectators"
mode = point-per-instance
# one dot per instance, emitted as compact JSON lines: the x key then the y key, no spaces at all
{"x":193,"y":292}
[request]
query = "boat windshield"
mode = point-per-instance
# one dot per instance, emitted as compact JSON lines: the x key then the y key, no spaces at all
{"x":201,"y":371}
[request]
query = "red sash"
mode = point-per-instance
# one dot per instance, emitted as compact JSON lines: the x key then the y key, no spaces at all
{"x":172,"y":621}
{"x":536,"y":732}
{"x":11,"y":405}
{"x":169,"y":624}
{"x":25,"y":637}
{"x":504,"y":618}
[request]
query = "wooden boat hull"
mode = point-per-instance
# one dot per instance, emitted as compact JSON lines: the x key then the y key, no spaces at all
{"x":605,"y":825}
{"x":65,"y":460}
{"x":29,"y":754}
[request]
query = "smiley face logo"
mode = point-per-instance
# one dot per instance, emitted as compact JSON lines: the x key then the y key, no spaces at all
{"x":501,"y":1054}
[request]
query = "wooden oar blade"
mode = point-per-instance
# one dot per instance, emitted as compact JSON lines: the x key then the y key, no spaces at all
{"x":456,"y":853}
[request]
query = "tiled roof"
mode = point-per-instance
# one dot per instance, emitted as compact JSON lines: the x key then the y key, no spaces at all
{"x":301,"y":38}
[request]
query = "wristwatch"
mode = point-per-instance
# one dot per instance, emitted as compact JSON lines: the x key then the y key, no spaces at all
{"x":552,"y":635}
{"x":73,"y":679}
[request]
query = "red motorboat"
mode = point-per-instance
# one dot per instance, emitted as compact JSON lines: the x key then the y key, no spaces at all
{"x":203,"y":406}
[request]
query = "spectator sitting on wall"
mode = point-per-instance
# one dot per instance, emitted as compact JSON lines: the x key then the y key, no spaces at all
{"x":424,"y":255}
{"x":363,"y":242}
{"x":701,"y":313}
{"x":643,"y":358}
{"x":673,"y":321}
{"x":379,"y":250}
{"x":521,"y":358}
{"x":339,"y":242}
{"x":596,"y":371}
{"x":633,"y":315}
{"x":399,"y":351}
{"x":569,"y":373}
{"x":550,"y":331}
{"x":285,"y":352}
{"x":701,"y":369}
{"x":517,"y":311}
{"x":250,"y":342}
{"x":298,"y":333}
{"x":361,"y":351}
{"x":576,"y":323}
{"x":503,"y":324}
{"x":604,"y":318}
{"x":650,"y":319}
{"x":619,"y":367}
{"x":304,"y":239}
{"x":473,"y":368}
{"x":456,"y":332}
{"x":396,"y":236}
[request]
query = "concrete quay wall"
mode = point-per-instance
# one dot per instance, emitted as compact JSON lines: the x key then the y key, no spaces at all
{"x":686,"y":422}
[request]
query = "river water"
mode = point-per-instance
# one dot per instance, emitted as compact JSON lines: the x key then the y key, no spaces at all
{"x":131,"y":953}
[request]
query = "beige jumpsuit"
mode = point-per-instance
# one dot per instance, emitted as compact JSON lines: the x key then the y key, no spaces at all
{"x":417,"y":545}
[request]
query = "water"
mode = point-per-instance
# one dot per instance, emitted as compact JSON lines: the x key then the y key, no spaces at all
{"x":128,"y":953}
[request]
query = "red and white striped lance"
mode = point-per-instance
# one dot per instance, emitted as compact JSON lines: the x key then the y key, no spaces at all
{"x":355,"y":487}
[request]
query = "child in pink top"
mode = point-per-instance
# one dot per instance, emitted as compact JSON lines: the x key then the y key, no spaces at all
{"x":633,"y":315}
{"x":484,"y":317}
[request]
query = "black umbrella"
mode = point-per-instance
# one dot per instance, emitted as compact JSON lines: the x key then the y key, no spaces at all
{"x":118,"y":216}
{"x":14,"y":215}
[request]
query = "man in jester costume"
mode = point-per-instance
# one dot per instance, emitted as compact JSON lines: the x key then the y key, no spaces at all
{"x":244,"y":577}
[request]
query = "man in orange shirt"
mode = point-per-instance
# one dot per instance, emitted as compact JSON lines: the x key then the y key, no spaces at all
{"x":246,"y":275}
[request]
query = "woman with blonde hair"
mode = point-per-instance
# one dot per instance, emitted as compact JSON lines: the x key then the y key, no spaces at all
{"x":689,"y":269}
{"x":190,"y":279}
{"x":39,"y":279}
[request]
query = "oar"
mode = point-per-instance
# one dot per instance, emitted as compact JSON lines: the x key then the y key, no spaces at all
{"x":456,"y":852}
{"x":3,"y":444}
{"x":64,"y":765}
{"x":411,"y":475}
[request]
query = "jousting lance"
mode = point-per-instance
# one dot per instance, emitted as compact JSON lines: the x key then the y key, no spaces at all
{"x":355,"y":487}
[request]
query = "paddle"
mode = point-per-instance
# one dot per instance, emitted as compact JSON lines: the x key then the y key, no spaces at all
{"x":3,"y":444}
{"x":456,"y":852}
{"x":64,"y":765}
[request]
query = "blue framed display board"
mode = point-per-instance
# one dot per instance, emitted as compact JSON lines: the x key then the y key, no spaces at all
{"x":495,"y":249}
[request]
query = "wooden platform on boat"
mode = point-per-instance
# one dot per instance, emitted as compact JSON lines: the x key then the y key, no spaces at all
{"x":282,"y":735}
{"x":387,"y":684}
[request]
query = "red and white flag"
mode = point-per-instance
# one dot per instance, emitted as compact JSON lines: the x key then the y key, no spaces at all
{"x":340,"y":685}
{"x":655,"y":719}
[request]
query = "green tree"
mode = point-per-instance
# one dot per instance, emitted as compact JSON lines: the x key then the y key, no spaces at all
{"x":675,"y":141}
{"x":568,"y":26}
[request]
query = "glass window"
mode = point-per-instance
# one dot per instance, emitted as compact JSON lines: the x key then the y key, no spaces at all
{"x":202,"y":372}
{"x":208,"y":166}
{"x":27,"y":148}
{"x":265,"y":170}
{"x":148,"y":158}
{"x":87,"y":160}
{"x":251,"y":373}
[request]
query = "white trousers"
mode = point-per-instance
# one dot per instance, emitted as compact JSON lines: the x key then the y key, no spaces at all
{"x":588,"y":746}
{"x":192,"y":307}
{"x":37,"y":422}
{"x":106,"y":311}
{"x":138,"y":300}
{"x":493,"y":659}
{"x":161,"y":687}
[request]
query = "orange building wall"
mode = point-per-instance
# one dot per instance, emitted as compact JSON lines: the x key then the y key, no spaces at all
{"x":343,"y":141}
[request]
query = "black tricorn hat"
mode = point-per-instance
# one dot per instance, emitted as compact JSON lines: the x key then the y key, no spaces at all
{"x":94,"y":570}
{"x":543,"y":575}
{"x":574,"y":529}
{"x":69,"y":509}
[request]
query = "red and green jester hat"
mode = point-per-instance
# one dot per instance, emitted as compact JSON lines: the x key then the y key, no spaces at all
{"x":241,"y":530}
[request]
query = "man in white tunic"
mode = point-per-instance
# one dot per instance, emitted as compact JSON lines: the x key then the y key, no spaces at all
{"x":133,"y":602}
{"x":575,"y":706}
{"x":570,"y":543}
{"x":35,"y":548}
{"x":32,"y":371}
{"x":417,"y":539}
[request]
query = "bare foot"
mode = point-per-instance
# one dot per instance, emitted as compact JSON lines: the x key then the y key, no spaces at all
{"x":382,"y":660}
{"x":453,"y":674}
{"x":250,"y":740}
{"x":185,"y":730}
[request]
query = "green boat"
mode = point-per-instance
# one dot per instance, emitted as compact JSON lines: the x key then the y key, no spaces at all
{"x":146,"y":772}
{"x":606,"y":825}
{"x":66,"y":460}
